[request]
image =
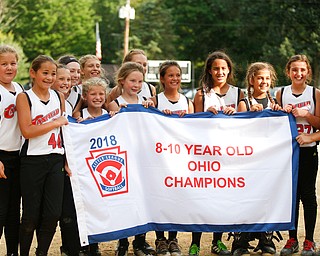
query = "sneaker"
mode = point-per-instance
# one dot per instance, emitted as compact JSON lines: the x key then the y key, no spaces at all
{"x":162,"y":247}
{"x":194,"y":250}
{"x":290,"y":248}
{"x":219,"y":248}
{"x":140,"y":250}
{"x":265,"y":244}
{"x":174,"y":248}
{"x":240,"y":243}
{"x":122,"y":249}
{"x":308,"y":248}
{"x":149,"y":248}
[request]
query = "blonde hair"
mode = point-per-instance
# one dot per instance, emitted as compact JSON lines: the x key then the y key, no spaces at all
{"x":252,"y":72}
{"x":94,"y":81}
{"x":4,"y":48}
{"x":300,"y":57}
{"x":85,"y":58}
{"x":125,"y":70}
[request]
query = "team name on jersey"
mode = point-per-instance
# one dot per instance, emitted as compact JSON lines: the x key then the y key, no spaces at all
{"x":40,"y":119}
{"x":9,"y":111}
{"x":302,"y":104}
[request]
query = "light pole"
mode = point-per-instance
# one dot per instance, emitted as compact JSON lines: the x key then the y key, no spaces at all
{"x":127,"y":13}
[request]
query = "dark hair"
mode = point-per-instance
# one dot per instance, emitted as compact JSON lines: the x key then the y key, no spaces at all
{"x":66,"y":59}
{"x":206,"y":81}
{"x":38,"y":61}
{"x":300,"y":57}
{"x":164,"y":67}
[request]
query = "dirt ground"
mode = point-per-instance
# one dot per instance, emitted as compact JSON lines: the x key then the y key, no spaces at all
{"x":108,"y":248}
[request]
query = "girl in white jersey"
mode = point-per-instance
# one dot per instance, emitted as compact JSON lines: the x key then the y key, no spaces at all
{"x":94,"y":91}
{"x":90,"y":66}
{"x":129,"y":79}
{"x":170,"y":101}
{"x":147,"y":90}
{"x":216,"y":94}
{"x":73,"y":65}
{"x":260,"y":77}
{"x":10,"y":144}
{"x":40,"y":116}
{"x":63,"y":85}
{"x":302,"y":101}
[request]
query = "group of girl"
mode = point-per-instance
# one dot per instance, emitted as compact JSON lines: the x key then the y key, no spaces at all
{"x":35,"y":161}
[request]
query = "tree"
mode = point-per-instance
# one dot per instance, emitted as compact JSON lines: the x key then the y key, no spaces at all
{"x":54,"y":27}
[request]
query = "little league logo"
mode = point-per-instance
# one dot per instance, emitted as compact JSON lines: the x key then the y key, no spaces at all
{"x":109,"y":169}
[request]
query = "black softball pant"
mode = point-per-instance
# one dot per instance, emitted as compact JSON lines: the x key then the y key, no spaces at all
{"x":10,"y":200}
{"x":306,"y":191}
{"x":41,"y":179}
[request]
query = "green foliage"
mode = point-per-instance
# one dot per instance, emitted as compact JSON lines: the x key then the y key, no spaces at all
{"x":247,"y":30}
{"x":23,"y":67}
{"x":111,"y":29}
{"x":54,"y":27}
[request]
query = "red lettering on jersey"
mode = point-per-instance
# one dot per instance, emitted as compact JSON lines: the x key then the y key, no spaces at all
{"x":40,"y":119}
{"x":302,"y":104}
{"x":9,"y":111}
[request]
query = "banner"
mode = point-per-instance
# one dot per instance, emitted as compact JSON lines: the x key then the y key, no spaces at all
{"x":142,"y":170}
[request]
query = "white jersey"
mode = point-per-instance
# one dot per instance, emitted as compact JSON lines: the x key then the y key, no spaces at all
{"x":230,"y":99}
{"x":146,"y":90}
{"x":74,"y":96}
{"x":41,"y":113}
{"x":176,"y":107}
{"x":69,"y":108}
{"x":120,"y":100}
{"x":9,"y":129}
{"x":85,"y":113}
{"x":303,"y":101}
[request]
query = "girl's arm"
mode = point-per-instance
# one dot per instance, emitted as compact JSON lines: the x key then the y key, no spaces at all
{"x":153,"y":89}
{"x":242,"y":107}
{"x":304,"y":138}
{"x":190,"y":107}
{"x":76,"y":112}
{"x":198,"y":101}
{"x":28,"y":129}
{"x":113,"y":106}
{"x":154,"y":100}
{"x":112,"y":95}
{"x":2,"y":175}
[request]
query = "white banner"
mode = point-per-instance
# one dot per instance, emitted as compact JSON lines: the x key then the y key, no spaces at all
{"x":142,"y":170}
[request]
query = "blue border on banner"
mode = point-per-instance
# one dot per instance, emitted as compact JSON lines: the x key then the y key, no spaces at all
{"x":204,"y":227}
{"x":187,"y":228}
